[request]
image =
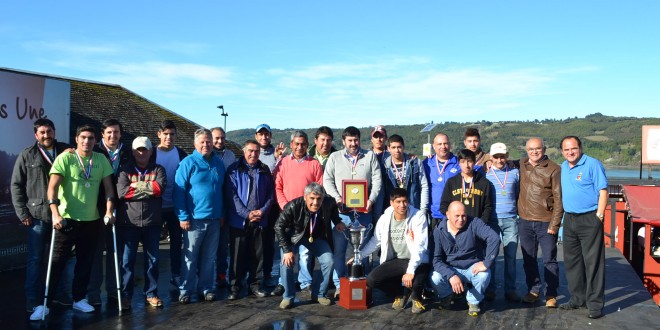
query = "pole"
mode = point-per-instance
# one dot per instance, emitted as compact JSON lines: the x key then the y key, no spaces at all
{"x":114,"y":240}
{"x":50,"y":266}
{"x":224,"y":114}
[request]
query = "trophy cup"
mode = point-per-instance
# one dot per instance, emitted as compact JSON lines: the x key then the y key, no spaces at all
{"x":353,"y":289}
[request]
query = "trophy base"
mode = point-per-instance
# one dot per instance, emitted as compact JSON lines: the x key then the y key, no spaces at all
{"x":356,"y":272}
{"x":353,"y":293}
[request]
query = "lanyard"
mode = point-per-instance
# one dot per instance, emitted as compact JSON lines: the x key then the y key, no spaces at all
{"x":47,"y":155}
{"x":354,"y":161}
{"x":467,"y":193}
{"x":506,"y":174}
{"x":87,"y":172}
{"x":142,"y":175}
{"x":400,"y":177}
{"x":113,"y":155}
{"x":437,"y":167}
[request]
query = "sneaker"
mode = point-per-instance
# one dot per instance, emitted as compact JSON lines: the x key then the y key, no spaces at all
{"x":323,"y":301}
{"x":286,"y":303}
{"x":83,"y":306}
{"x":551,"y":302}
{"x":445,"y":303}
{"x":38,"y":312}
{"x":307,"y":291}
{"x":512,"y":296}
{"x":473,"y":309}
{"x":569,"y":305}
{"x":417,"y":306}
{"x":278,"y":291}
{"x":184,"y":299}
{"x":337,"y":294}
{"x":400,"y":302}
{"x":155,"y":301}
{"x":530,"y":298}
{"x":209,"y":296}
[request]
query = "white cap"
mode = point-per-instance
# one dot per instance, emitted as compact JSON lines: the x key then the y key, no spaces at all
{"x":141,"y":142}
{"x":498,"y":148}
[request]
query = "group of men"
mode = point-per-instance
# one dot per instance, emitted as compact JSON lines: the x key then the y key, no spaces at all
{"x":238,"y":222}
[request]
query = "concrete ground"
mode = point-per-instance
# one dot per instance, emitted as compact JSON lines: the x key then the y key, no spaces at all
{"x":628,"y":306}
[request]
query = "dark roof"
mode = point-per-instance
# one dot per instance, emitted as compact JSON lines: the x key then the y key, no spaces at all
{"x":93,"y":102}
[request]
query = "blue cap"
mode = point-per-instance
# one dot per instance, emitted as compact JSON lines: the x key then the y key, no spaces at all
{"x":262,"y":126}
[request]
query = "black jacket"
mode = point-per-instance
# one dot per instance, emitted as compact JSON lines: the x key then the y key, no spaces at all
{"x":125,"y":157}
{"x":29,"y":183}
{"x":293,"y":223}
{"x":480,"y":203}
{"x":140,"y":206}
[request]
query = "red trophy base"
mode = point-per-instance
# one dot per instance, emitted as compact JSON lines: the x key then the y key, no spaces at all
{"x":353,"y":294}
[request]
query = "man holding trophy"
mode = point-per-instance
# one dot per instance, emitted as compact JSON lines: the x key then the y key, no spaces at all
{"x":306,"y":221}
{"x":402,"y":235}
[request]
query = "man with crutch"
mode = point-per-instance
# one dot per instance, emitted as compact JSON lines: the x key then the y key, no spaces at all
{"x":73,"y":189}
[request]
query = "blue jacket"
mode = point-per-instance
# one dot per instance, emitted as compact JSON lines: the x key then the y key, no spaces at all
{"x":415,"y":182}
{"x":237,"y":190}
{"x":436,"y":187}
{"x":466,"y":249}
{"x":198,"y":188}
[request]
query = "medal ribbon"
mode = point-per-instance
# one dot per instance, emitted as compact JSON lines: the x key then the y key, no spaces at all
{"x":469,"y":190}
{"x":354,"y":161}
{"x":87,"y":172}
{"x":400,"y":177}
{"x":46,"y":154}
{"x":142,"y":175}
{"x":506,"y":174}
{"x":312,"y":224}
{"x":113,"y":155}
{"x":437,"y":166}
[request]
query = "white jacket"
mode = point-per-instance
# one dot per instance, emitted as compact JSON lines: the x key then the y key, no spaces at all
{"x":416,"y":238}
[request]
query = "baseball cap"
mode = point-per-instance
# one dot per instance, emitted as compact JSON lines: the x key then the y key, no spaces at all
{"x":262,"y":126}
{"x":378,"y":129}
{"x":141,"y":142}
{"x":498,"y":148}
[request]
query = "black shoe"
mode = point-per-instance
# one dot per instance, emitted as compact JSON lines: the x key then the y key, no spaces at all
{"x":569,"y":305}
{"x":595,"y":314}
{"x":278,"y":291}
{"x":259,"y":293}
{"x":232,"y":296}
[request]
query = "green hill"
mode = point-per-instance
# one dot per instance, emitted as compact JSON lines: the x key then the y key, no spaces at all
{"x":614,"y":140}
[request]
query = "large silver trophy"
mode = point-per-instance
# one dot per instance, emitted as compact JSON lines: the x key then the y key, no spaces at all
{"x":356,"y":234}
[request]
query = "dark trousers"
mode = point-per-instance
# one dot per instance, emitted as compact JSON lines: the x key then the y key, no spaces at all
{"x":130,"y":238}
{"x":176,"y":239}
{"x":387,"y":277}
{"x":532,"y":234}
{"x":584,"y":259}
{"x":246,"y":248}
{"x":270,"y":268}
{"x":105,"y":242}
{"x":84,"y":235}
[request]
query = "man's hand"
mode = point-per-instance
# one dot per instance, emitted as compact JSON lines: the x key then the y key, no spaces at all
{"x":254,"y":216}
{"x":456,"y":284}
{"x":407,"y":279}
{"x":112,"y":218}
{"x":185,"y":225}
{"x":350,"y":261}
{"x":369,"y":206}
{"x":27,"y":221}
{"x":279,"y":150}
{"x":287,"y":259}
{"x":57,"y":221}
{"x":479,"y":267}
{"x":340,"y":227}
{"x":551,"y":232}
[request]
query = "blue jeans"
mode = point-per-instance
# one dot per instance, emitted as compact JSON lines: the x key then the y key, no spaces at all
{"x":533,"y":234}
{"x":474,"y":295}
{"x":320,"y":249}
{"x":39,"y":235}
{"x":305,"y":269}
{"x":130,"y":238}
{"x":507,"y":228}
{"x":341,"y":243}
{"x":221,"y":264}
{"x":200,"y":248}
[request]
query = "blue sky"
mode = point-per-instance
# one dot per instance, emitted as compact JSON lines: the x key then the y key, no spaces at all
{"x":304,"y":64}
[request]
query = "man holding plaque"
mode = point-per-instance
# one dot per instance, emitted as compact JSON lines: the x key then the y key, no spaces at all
{"x":540,"y":209}
{"x":351,"y":163}
{"x":470,"y":188}
{"x":306,"y":221}
{"x":438,"y":169}
{"x":402,"y":235}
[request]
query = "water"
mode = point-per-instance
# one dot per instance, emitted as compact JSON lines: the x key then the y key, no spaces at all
{"x":631,"y":173}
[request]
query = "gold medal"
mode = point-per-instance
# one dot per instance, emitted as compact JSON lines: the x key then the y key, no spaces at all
{"x":311,"y":239}
{"x":401,"y":185}
{"x":466,"y":202}
{"x":440,"y":179}
{"x":503,"y":193}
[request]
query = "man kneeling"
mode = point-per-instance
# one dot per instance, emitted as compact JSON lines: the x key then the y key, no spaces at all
{"x":459,"y":257}
{"x":402,"y":235}
{"x":306,"y":221}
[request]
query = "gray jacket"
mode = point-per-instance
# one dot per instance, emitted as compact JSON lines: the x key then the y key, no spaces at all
{"x":29,"y":183}
{"x":339,"y":168}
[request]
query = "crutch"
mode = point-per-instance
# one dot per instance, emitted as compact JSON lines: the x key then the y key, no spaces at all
{"x":50,"y":266}
{"x":114,"y":241}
